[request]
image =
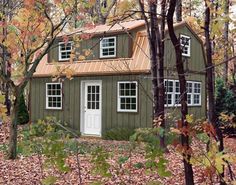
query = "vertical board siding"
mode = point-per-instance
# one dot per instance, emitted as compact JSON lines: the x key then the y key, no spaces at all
{"x":53,"y":52}
{"x":123,"y":46}
{"x":196,"y":59}
{"x":70,"y":113}
{"x":76,"y":104}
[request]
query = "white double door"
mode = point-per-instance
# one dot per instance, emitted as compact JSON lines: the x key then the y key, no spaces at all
{"x":91,"y":107}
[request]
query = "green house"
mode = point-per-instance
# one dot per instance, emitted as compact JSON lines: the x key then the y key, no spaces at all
{"x":111,"y":87}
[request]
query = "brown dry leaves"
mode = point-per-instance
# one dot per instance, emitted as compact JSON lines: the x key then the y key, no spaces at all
{"x":27,"y":171}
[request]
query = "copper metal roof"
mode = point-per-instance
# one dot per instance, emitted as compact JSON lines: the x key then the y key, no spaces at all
{"x":101,"y":29}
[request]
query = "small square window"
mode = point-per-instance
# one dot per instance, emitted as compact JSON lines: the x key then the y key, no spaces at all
{"x":108,"y":47}
{"x":65,"y":50}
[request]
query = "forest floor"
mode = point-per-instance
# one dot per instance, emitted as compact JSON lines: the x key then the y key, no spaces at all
{"x":28,"y":170}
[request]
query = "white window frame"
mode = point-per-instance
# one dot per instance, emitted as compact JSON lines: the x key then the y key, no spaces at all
{"x":198,"y":93}
{"x":107,"y":47}
{"x":176,"y":93}
{"x":193,"y":93}
{"x":60,"y":52}
{"x":190,"y":93}
{"x":170,"y":93}
{"x":187,"y":46}
{"x":173,"y":101}
{"x":47,"y":96}
{"x":119,"y":96}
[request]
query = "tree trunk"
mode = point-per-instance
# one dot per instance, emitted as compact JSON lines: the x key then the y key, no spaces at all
{"x":226,"y":40}
{"x":161,"y":96}
{"x":156,"y":45}
{"x":5,"y":63}
{"x":178,"y":10}
{"x":212,"y":117}
{"x":234,"y":66}
{"x":188,"y":171}
{"x":12,"y":151}
{"x":153,"y":43}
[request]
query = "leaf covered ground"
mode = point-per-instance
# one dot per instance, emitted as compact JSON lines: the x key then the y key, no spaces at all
{"x":28,"y":170}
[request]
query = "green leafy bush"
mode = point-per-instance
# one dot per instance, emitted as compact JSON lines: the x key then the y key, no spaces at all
{"x":47,"y":138}
{"x":23,"y":115}
{"x":153,"y":151}
{"x":119,"y":134}
{"x":99,"y":161}
{"x":225,"y":98}
{"x":226,"y":105}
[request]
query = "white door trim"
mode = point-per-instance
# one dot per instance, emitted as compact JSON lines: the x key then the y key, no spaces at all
{"x":82,"y":105}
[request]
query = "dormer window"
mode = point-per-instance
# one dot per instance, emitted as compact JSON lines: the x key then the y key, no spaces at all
{"x":185,"y":45}
{"x":108,"y":47}
{"x":65,"y":51}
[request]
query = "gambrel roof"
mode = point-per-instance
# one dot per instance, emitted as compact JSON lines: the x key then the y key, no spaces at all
{"x":138,"y":63}
{"x":111,"y":29}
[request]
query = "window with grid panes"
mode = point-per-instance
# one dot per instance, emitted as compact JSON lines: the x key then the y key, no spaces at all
{"x":169,"y":92}
{"x":53,"y":95}
{"x":197,"y":93}
{"x":93,"y":96}
{"x":189,"y":92}
{"x":108,"y":47}
{"x":172,"y":93}
{"x":185,"y":43}
{"x":177,"y":93}
{"x":65,"y":51}
{"x":127,"y":97}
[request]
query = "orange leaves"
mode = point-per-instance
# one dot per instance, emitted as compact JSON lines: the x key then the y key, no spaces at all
{"x":92,"y":2}
{"x":209,"y":171}
{"x":157,"y":121}
{"x":179,"y":124}
{"x":57,"y":1}
{"x":29,"y":3}
{"x":209,"y":129}
{"x":186,"y":150}
{"x":61,"y":71}
{"x":85,"y":36}
{"x":65,"y":38}
{"x":182,"y":129}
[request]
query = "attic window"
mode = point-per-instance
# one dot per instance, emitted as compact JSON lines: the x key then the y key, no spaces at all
{"x":65,"y":51}
{"x":185,"y":45}
{"x":108,"y":47}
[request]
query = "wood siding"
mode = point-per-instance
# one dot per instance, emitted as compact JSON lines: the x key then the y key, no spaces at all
{"x":123,"y":48}
{"x":70,"y":112}
{"x":196,"y":61}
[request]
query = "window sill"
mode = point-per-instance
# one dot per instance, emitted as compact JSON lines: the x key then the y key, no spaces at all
{"x":126,"y":111}
{"x":179,"y":105}
{"x":64,"y":60}
{"x":48,"y":108}
{"x":107,"y":57}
